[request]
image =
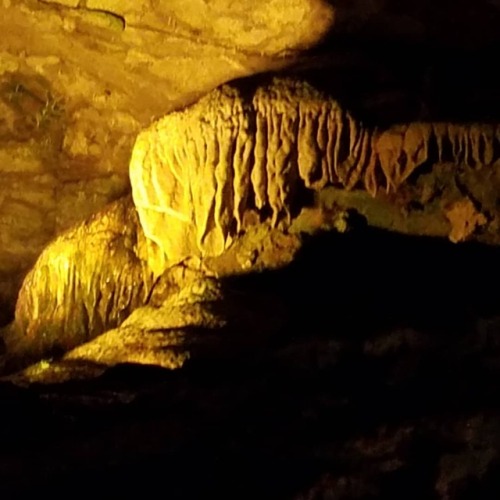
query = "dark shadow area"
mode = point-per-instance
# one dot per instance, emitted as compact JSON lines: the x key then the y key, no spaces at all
{"x":386,"y":82}
{"x":383,"y":384}
{"x":370,"y":278}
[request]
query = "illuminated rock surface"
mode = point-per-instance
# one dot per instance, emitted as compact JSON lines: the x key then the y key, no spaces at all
{"x":257,"y":145}
{"x":196,"y":172}
{"x":199,"y":321}
{"x":86,"y":281}
{"x":92,"y":277}
{"x":78,"y":80}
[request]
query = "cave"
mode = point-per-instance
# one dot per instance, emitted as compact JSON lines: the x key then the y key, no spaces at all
{"x":250,"y":249}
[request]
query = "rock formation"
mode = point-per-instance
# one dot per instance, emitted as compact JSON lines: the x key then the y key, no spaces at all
{"x":85,"y":282}
{"x":258,"y":145}
{"x":78,"y":81}
{"x":229,"y":170}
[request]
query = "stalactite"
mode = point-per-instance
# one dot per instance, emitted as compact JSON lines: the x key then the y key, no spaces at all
{"x":388,"y":148}
{"x":198,"y":170}
{"x":259,"y":171}
{"x":242,"y":168}
{"x":206,"y":187}
{"x":416,"y":147}
{"x":439,"y":130}
{"x":322,"y":142}
{"x":361,"y":156}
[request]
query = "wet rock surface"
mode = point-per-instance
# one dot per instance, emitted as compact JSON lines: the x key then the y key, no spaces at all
{"x":380,"y":381}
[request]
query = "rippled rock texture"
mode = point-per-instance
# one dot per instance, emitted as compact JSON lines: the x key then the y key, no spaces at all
{"x":260,"y":144}
{"x":85,"y":282}
{"x":78,"y":81}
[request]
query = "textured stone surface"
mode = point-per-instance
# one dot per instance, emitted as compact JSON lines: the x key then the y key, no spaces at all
{"x":259,"y":144}
{"x":78,"y":80}
{"x":199,"y":319}
{"x":196,"y":172}
{"x":242,"y":149}
{"x":85,"y":282}
{"x":92,"y":277}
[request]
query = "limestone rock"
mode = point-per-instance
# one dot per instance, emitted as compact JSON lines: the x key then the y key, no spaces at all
{"x":259,"y":144}
{"x":199,"y":320}
{"x":196,"y":172}
{"x":85,"y":282}
{"x":79,"y":79}
{"x":464,"y":220}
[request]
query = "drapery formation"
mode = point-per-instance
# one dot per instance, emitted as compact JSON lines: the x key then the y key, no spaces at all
{"x":195,"y":172}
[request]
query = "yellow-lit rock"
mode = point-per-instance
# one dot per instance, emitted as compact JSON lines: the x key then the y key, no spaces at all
{"x":257,"y":144}
{"x":196,"y":172}
{"x":78,"y":80}
{"x":196,"y":319}
{"x":85,"y":282}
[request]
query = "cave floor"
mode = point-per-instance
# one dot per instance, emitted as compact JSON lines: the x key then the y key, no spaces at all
{"x":383,"y":383}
